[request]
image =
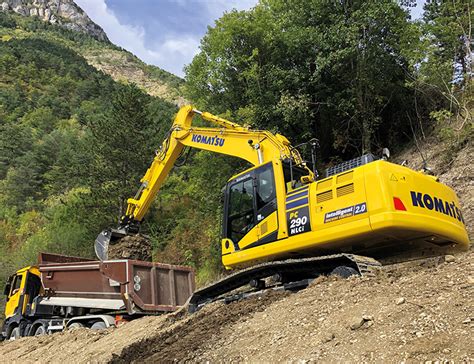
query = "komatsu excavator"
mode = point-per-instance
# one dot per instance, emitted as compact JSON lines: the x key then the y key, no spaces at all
{"x":282,"y":221}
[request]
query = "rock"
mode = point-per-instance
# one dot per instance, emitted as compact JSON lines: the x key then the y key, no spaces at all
{"x":470,"y":279}
{"x":328,"y":337}
{"x":467,"y":321}
{"x":368,"y":318}
{"x":356,"y":323}
{"x":449,"y":258}
{"x":65,"y":13}
{"x":400,"y":301}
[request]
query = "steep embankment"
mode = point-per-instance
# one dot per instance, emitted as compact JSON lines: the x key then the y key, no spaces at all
{"x":417,"y":312}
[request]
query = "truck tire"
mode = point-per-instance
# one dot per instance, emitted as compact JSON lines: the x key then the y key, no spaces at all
{"x":15,"y":334}
{"x":75,"y":325}
{"x":344,"y":271}
{"x":99,"y":325}
{"x":40,"y":330}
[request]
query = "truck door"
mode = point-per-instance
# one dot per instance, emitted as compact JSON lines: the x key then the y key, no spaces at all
{"x":13,"y":296}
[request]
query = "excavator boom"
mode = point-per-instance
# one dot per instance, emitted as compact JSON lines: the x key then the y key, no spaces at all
{"x":255,"y":146}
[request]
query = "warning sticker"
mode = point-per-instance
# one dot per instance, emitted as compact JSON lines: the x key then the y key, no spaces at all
{"x":345,"y":212}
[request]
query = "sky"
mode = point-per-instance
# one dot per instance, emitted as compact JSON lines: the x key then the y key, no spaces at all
{"x":165,"y":33}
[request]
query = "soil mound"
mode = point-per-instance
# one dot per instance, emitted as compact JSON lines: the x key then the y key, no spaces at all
{"x":131,"y":247}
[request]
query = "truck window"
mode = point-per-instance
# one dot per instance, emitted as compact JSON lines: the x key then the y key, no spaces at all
{"x":16,"y":284}
{"x":241,"y":212}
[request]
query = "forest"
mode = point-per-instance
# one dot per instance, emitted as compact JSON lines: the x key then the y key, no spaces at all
{"x":357,"y":75}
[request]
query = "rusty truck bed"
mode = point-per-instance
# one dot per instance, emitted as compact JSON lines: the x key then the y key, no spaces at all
{"x":131,"y":285}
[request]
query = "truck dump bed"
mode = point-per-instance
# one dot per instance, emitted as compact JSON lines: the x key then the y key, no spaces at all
{"x":131,"y":285}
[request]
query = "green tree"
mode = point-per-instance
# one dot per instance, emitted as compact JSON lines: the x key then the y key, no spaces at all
{"x":448,"y":29}
{"x":121,"y":146}
{"x":335,"y":70}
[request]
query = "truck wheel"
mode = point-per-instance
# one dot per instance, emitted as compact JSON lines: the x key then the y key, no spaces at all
{"x":40,"y":330}
{"x":15,"y":334}
{"x":344,"y":271}
{"x":75,"y":325}
{"x":99,"y":325}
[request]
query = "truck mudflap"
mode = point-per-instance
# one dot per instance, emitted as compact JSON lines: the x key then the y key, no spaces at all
{"x":291,"y":270}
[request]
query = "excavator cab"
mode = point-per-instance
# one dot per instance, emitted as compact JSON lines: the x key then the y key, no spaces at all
{"x":250,"y":198}
{"x":250,"y":204}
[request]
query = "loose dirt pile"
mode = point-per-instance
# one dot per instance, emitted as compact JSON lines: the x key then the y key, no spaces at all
{"x":131,"y":247}
{"x":416,"y":312}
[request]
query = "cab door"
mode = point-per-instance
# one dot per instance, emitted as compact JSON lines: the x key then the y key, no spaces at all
{"x":14,"y":294}
{"x":250,"y":209}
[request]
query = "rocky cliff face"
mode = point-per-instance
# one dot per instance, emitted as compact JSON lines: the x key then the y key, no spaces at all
{"x":63,"y":12}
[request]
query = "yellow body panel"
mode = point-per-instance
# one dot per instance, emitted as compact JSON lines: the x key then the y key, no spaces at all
{"x":13,"y":298}
{"x":354,"y":211}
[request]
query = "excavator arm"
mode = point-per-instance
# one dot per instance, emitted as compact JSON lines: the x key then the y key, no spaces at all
{"x":255,"y":146}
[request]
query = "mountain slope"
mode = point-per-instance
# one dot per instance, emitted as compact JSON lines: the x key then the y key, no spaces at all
{"x":65,"y":13}
{"x":44,"y":18}
{"x":51,"y":104}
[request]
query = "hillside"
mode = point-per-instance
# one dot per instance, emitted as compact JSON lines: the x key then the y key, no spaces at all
{"x":55,"y":164}
{"x":94,"y":46}
{"x":417,"y":312}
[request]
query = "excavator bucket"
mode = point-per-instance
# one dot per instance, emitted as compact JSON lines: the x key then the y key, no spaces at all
{"x":104,"y":239}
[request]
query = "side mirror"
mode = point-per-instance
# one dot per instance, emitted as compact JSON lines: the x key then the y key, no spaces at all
{"x":385,"y":153}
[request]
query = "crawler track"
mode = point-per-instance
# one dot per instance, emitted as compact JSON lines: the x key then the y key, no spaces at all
{"x":293,"y":269}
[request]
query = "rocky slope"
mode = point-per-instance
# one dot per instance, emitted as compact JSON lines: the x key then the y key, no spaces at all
{"x":123,"y":66}
{"x":118,"y":63}
{"x":62,"y":12}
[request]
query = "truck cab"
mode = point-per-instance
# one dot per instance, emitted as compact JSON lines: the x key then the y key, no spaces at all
{"x":20,"y":291}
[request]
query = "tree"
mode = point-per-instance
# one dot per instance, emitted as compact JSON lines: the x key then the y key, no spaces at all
{"x":448,"y":26}
{"x":121,"y":146}
{"x":334,"y":70}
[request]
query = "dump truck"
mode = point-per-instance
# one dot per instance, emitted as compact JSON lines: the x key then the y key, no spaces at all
{"x":63,"y":292}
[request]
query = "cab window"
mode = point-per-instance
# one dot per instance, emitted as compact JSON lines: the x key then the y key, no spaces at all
{"x":265,"y":186}
{"x":16,"y":284}
{"x":295,"y":172}
{"x":241,"y":212}
{"x":250,"y":200}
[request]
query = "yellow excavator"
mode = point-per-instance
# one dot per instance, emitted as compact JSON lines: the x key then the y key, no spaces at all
{"x":283,"y":220}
